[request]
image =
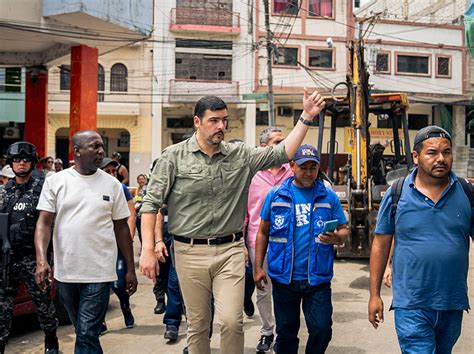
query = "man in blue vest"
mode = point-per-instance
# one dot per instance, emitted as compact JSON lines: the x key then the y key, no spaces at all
{"x":300,"y":256}
{"x":431,"y":225}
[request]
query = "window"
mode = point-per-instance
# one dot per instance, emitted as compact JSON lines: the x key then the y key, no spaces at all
{"x":320,"y":58}
{"x":286,"y":56}
{"x":382,"y":63}
{"x":195,"y":66}
{"x":417,"y":121}
{"x":181,"y":122}
{"x":261,"y":117}
{"x":443,"y":66}
{"x":413,"y":64}
{"x":65,"y":77}
{"x":10,"y":80}
{"x":119,"y":78}
{"x":320,"y":8}
{"x":285,"y":7}
{"x":100,"y":83}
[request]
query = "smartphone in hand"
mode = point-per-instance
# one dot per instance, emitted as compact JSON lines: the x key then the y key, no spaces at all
{"x":330,"y":226}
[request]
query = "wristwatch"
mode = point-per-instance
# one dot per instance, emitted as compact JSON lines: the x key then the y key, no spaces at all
{"x":307,"y":122}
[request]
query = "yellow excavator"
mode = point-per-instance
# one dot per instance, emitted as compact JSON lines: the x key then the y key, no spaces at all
{"x":368,"y":172}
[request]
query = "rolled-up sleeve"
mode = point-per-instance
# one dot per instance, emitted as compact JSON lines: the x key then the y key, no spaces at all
{"x":263,"y":158}
{"x":159,"y":186}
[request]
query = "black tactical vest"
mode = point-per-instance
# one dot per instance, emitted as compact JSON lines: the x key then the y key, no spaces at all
{"x":20,"y":203}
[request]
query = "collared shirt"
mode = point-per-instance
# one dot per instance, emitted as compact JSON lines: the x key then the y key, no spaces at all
{"x":431,"y":253}
{"x":261,"y":184}
{"x":207,"y":197}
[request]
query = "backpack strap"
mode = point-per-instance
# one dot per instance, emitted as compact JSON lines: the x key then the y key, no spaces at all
{"x":397,"y":187}
{"x":468,"y":189}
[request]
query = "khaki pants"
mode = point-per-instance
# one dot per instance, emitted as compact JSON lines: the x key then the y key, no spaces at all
{"x":264,"y":299}
{"x":205,"y":271}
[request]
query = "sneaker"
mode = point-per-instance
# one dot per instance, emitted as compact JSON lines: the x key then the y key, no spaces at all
{"x":160,"y":307}
{"x":103,"y":329}
{"x":171,"y":333}
{"x":51,"y":344}
{"x":264,"y":344}
{"x":249,"y":308}
{"x":128,"y":318}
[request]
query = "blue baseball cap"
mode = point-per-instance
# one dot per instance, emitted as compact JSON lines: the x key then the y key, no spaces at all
{"x":306,"y":153}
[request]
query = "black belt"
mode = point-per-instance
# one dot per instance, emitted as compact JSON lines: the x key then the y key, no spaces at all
{"x":211,"y":241}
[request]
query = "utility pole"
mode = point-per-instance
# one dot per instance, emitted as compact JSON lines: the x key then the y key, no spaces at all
{"x":271,"y":103}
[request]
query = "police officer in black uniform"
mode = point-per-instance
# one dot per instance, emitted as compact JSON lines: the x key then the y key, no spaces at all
{"x":21,"y":196}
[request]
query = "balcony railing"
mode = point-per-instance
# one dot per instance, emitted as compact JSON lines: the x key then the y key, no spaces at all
{"x":185,"y":90}
{"x":204,"y":20}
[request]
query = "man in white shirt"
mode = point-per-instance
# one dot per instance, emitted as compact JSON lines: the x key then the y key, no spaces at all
{"x":90,"y":214}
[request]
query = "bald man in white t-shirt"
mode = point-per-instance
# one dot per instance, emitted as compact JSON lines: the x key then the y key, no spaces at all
{"x":90,"y":214}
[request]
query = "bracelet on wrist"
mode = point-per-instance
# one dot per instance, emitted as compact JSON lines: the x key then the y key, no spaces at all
{"x":158,"y":241}
{"x":309,"y":123}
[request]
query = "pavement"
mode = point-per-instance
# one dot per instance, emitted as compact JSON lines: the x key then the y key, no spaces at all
{"x":352,"y":333}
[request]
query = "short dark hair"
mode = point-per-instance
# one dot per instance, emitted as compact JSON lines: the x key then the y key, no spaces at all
{"x":211,"y":103}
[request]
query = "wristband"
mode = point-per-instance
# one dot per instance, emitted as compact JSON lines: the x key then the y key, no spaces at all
{"x":157,"y":242}
{"x":309,"y":123}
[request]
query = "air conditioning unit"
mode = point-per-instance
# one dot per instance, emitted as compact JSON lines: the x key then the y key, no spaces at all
{"x":11,"y":133}
{"x":284,"y":111}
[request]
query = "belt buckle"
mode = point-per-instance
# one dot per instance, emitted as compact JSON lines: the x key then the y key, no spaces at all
{"x":210,"y":239}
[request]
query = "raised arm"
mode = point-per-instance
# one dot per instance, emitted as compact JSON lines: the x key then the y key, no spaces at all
{"x":42,"y":239}
{"x":312,"y":105}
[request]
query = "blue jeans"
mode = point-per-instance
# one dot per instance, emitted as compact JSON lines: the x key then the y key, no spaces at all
{"x":120,"y":285}
{"x":174,"y":308}
{"x":427,"y":331}
{"x":317,"y":309}
{"x":86,"y":305}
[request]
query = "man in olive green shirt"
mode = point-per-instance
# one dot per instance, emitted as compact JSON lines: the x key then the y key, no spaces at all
{"x":205,"y":183}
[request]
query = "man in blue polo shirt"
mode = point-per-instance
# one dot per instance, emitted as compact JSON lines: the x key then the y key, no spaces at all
{"x":300,"y":257}
{"x":431,"y":225}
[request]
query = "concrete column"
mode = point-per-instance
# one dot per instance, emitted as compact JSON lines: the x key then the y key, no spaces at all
{"x":250,"y":123}
{"x":459,"y":125}
{"x":36,"y":108}
{"x":84,"y":81}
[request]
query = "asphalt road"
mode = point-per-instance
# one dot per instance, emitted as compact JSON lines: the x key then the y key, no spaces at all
{"x":352,"y":333}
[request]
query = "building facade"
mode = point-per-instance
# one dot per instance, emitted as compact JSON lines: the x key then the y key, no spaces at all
{"x":99,"y":43}
{"x":420,"y":46}
{"x":201,"y":48}
{"x":123,"y":107}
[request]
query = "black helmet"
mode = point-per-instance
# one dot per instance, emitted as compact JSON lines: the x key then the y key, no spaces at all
{"x":21,"y":149}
